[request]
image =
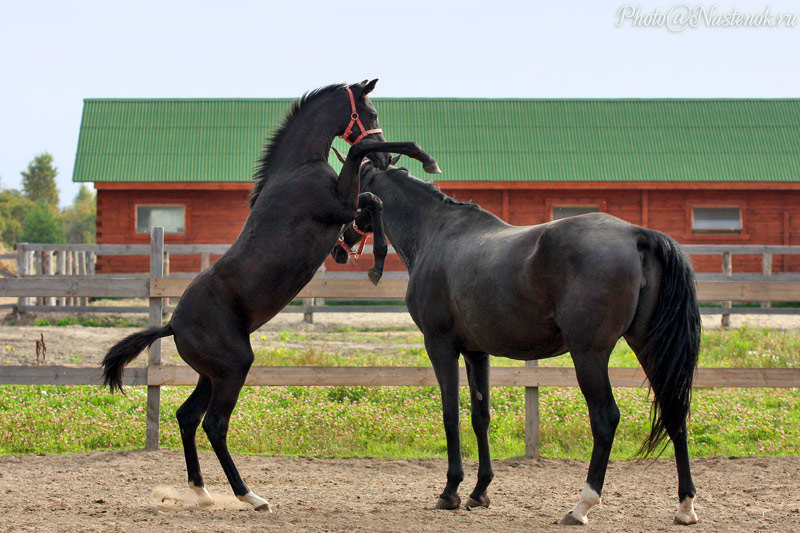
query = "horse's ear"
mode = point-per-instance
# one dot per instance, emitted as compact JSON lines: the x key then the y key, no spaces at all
{"x":393,"y":161}
{"x":368,"y":87}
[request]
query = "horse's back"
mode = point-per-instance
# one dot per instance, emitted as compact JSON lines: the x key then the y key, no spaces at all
{"x":493,"y":284}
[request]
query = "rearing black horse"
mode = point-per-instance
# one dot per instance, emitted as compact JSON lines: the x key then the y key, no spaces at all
{"x":298,"y":207}
{"x":479,"y":286}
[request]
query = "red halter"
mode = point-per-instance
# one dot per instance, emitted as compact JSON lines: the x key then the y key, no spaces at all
{"x":362,"y":242}
{"x":355,"y":120}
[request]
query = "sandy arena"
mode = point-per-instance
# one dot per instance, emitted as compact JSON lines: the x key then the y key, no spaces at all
{"x":145,"y":491}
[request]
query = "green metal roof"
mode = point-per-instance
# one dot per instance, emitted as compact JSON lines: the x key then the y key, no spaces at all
{"x":169,"y":140}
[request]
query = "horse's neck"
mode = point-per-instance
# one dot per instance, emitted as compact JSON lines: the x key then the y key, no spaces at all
{"x":309,"y":136}
{"x":412,"y":215}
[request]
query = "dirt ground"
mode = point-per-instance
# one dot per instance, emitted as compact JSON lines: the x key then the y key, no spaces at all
{"x":84,"y":346}
{"x":145,"y":491}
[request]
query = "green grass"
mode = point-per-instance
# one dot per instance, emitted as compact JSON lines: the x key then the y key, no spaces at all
{"x":390,"y":422}
{"x":402,"y":422}
{"x":94,"y":322}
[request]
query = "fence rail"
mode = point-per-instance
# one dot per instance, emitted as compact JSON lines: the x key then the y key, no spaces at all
{"x":391,"y":376}
{"x":158,"y":288}
{"x":78,"y":260}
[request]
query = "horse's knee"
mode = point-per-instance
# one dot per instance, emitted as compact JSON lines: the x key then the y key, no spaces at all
{"x":215,"y":426}
{"x":480,"y":422}
{"x":188,"y":419}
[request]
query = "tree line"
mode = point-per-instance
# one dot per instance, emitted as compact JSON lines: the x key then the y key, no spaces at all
{"x":32,"y":214}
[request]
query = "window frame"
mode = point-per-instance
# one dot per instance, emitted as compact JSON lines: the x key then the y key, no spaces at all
{"x":691,"y":233}
{"x":182,"y":205}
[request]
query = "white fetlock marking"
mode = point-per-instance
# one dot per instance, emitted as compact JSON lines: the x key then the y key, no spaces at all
{"x":589,"y":498}
{"x":254,"y":499}
{"x":203,"y":496}
{"x":685,"y":513}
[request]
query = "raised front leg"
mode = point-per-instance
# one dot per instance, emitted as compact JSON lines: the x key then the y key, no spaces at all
{"x":347,"y":186}
{"x":373,"y":211}
{"x":478,"y":374}
{"x":369,"y":219}
{"x":444,"y":358}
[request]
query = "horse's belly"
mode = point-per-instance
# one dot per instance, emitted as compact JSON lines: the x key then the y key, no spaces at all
{"x":523,"y":337}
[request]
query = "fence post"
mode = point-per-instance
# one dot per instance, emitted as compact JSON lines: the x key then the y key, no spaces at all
{"x":84,"y":300}
{"x":727,"y":269}
{"x":532,"y":418}
{"x":156,"y":312}
{"x":61,"y":268}
{"x":69,"y":261}
{"x":47,"y":270}
{"x":766,"y":269}
{"x":22,"y":271}
{"x":308,"y":313}
{"x":39,"y":262}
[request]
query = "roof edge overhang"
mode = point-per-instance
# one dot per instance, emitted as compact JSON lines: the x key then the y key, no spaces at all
{"x":491,"y":185}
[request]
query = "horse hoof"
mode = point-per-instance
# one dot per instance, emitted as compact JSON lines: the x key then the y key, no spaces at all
{"x":433,"y":168}
{"x":374,"y":276}
{"x":684,"y":520}
{"x":482,"y":501}
{"x":571,"y":520}
{"x":264,"y":508}
{"x":450,"y":504}
{"x":685,"y":515}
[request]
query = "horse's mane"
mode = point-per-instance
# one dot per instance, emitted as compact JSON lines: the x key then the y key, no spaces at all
{"x":261,"y":174}
{"x":433,"y":189}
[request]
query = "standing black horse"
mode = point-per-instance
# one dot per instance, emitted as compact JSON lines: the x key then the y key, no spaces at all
{"x":479,"y":286}
{"x":298,"y":207}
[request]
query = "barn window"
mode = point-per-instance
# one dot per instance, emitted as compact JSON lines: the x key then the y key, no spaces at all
{"x":171,"y":217}
{"x":717,"y":219}
{"x":564,"y":211}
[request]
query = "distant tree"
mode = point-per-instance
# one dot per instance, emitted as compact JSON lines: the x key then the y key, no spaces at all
{"x":13,"y":208}
{"x":42,"y":224}
{"x":39,"y":180}
{"x":79,"y":220}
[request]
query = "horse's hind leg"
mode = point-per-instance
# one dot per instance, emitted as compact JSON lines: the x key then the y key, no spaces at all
{"x":685,"y":514}
{"x":224,"y":395}
{"x":591,"y":368}
{"x":686,"y":491}
{"x":189,"y":416}
{"x":478,"y":374}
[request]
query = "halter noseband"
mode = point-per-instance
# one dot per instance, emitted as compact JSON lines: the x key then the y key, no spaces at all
{"x":355,"y":120}
{"x":362,"y":242}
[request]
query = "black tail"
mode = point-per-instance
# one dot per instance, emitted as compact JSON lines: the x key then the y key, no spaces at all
{"x":670,"y":353}
{"x":126,"y":351}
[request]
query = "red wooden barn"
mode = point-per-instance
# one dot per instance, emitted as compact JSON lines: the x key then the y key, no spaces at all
{"x":703,"y":170}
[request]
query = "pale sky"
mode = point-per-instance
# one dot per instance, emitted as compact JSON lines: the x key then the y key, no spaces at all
{"x":55,"y":54}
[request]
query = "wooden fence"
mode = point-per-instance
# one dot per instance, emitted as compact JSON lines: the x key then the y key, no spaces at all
{"x":157,"y":288}
{"x":78,"y":260}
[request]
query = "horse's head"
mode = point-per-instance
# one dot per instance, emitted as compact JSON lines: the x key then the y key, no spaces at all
{"x":362,"y":120}
{"x":370,"y":172}
{"x":352,"y":234}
